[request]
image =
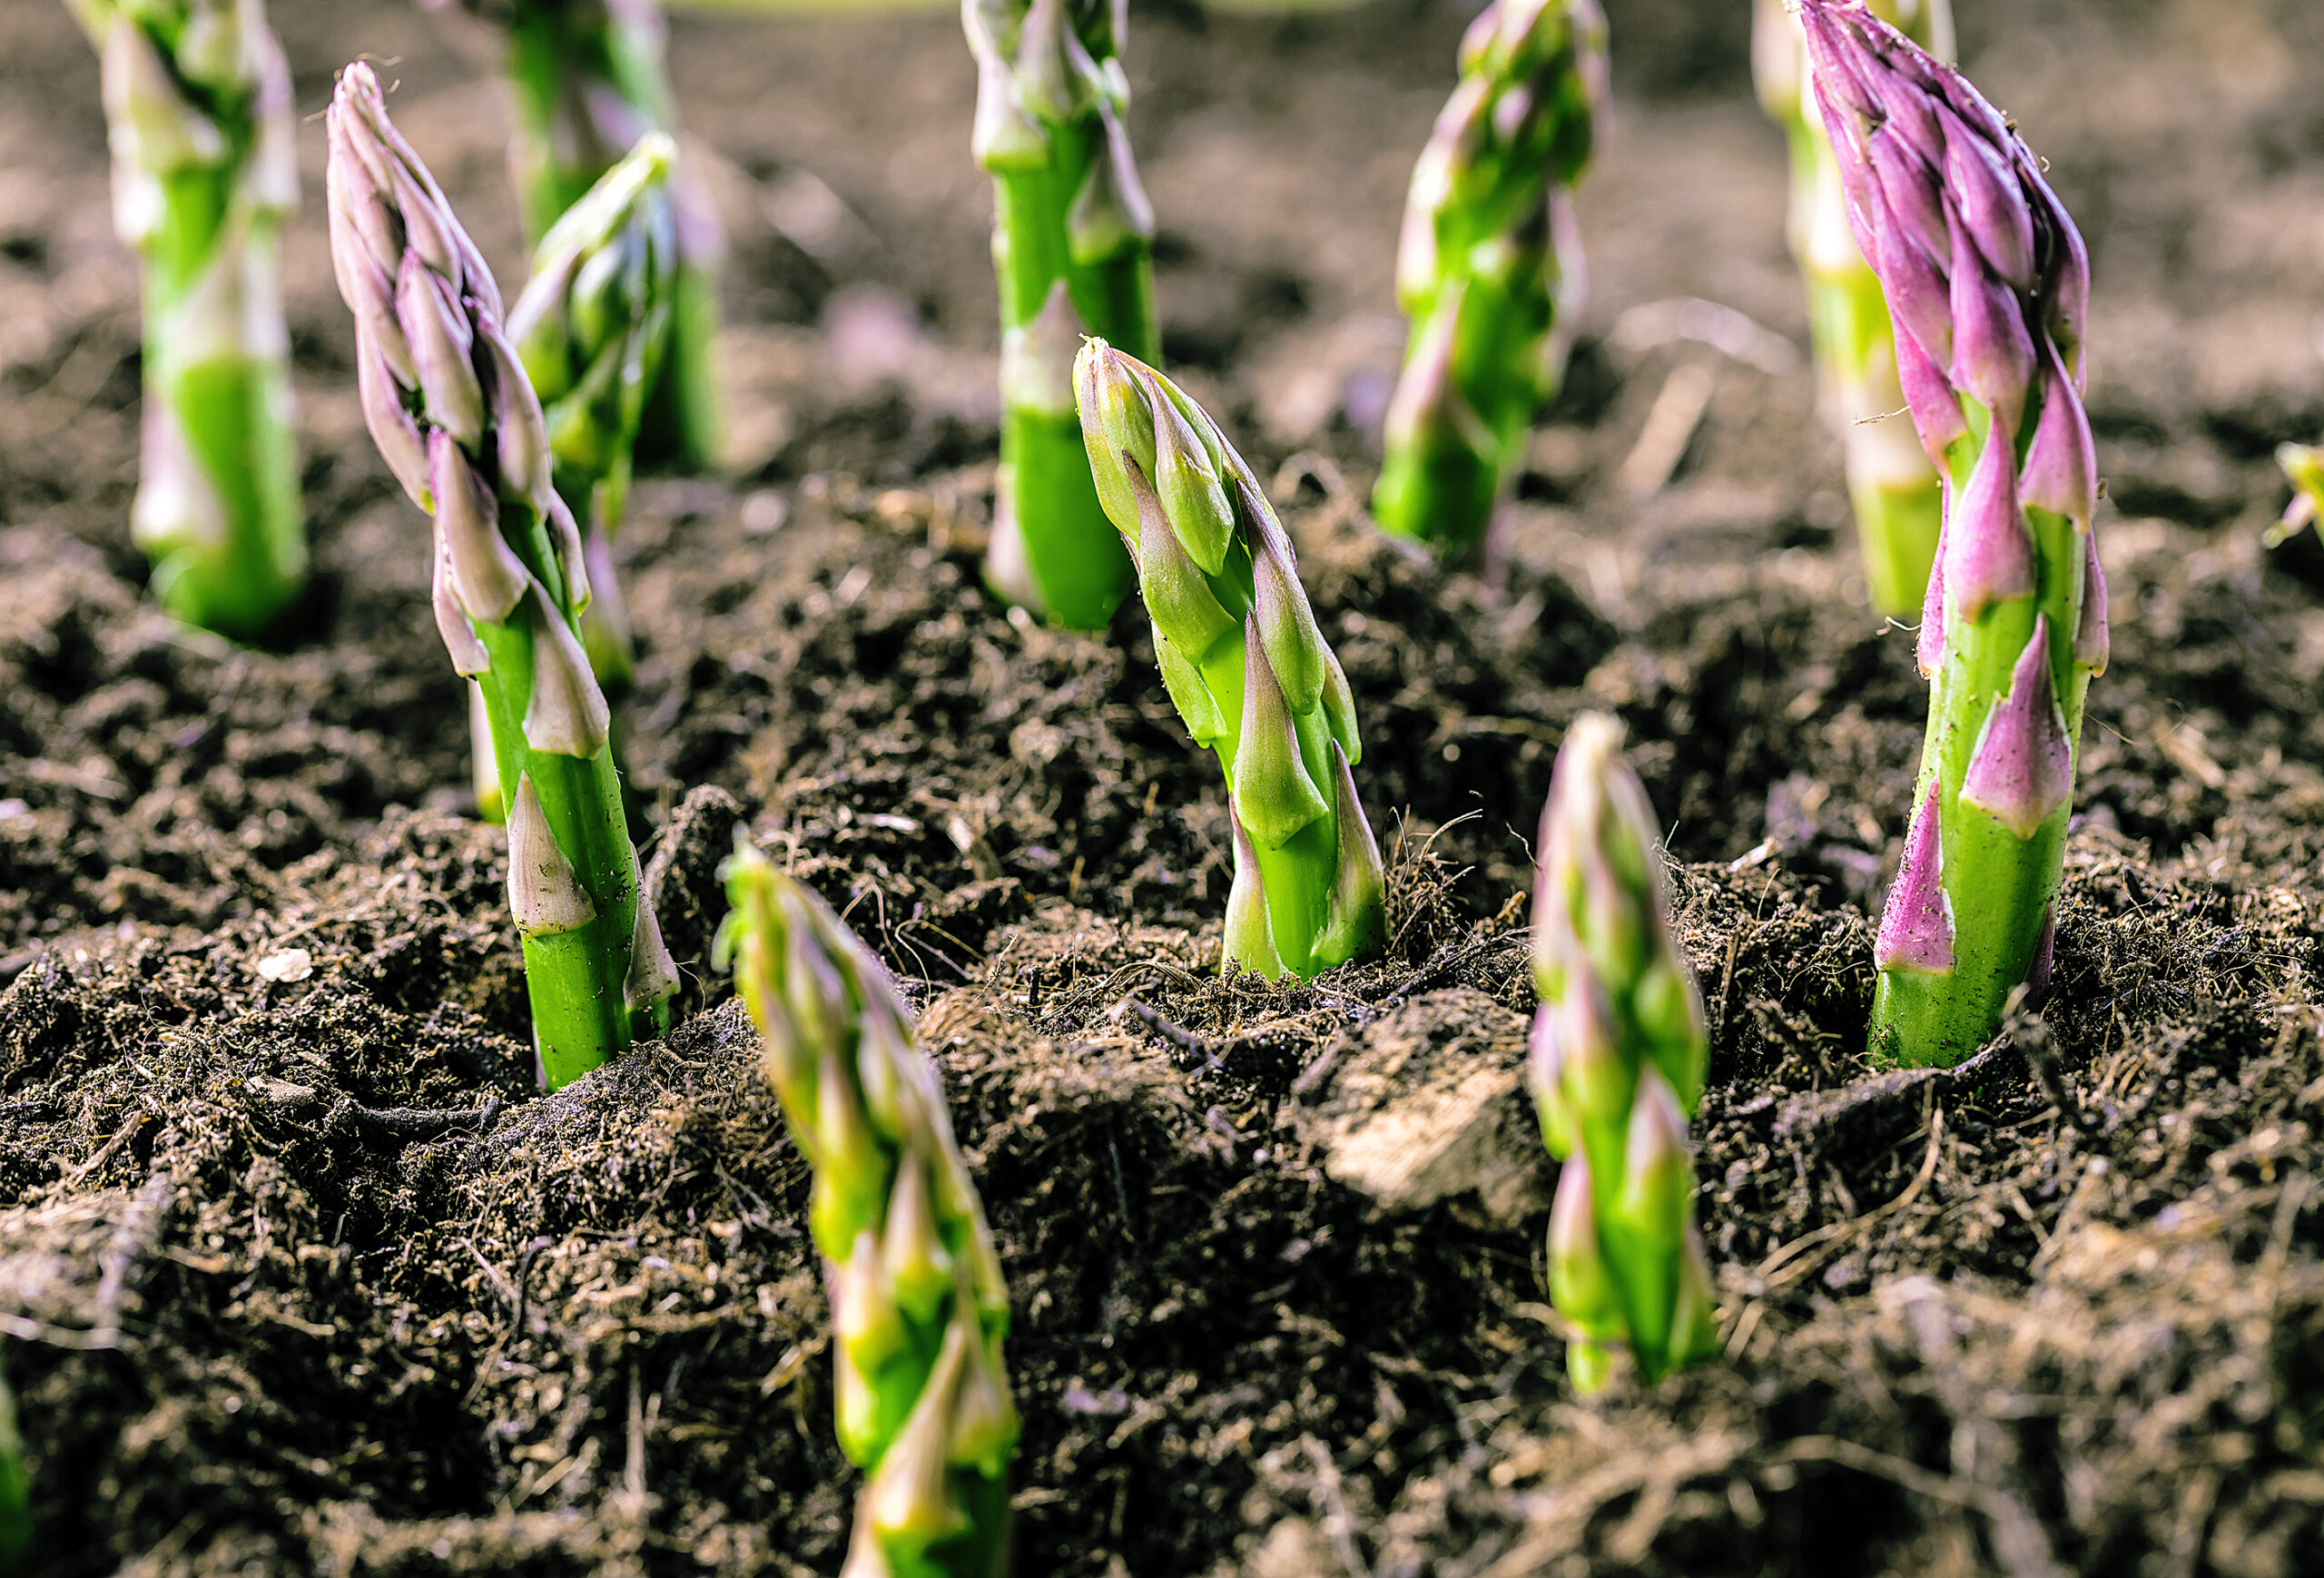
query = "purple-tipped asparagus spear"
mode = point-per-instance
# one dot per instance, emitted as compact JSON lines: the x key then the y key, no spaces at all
{"x":450,"y":406}
{"x":1989,"y":283}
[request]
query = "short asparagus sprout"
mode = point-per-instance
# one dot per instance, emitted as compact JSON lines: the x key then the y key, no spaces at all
{"x":1072,"y":244}
{"x":450,"y":406}
{"x":2303,"y":465}
{"x":1617,"y":1067}
{"x":1245,"y":664}
{"x":15,"y":1491}
{"x":590,"y":82}
{"x":1490,"y":267}
{"x":1895,"y":491}
{"x":204,"y":168}
{"x":919,"y":1309}
{"x":1988,"y":282}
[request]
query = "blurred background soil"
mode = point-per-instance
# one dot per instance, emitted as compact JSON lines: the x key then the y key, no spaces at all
{"x":298,"y":1275}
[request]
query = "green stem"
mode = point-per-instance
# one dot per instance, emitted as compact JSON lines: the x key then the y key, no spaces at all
{"x":1054,"y":551}
{"x":2000,"y":886}
{"x":210,"y":274}
{"x":576,"y":980}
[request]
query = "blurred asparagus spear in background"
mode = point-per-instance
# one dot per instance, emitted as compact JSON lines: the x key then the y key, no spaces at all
{"x":1617,"y":1065}
{"x":1989,"y":284}
{"x":15,"y":1491}
{"x":1897,"y":494}
{"x":450,"y":406}
{"x":1490,"y":267}
{"x":918,"y":1306}
{"x":592,"y":327}
{"x":590,"y":82}
{"x":1072,"y":244}
{"x":198,"y":106}
{"x":1245,"y":665}
{"x":2303,"y":465}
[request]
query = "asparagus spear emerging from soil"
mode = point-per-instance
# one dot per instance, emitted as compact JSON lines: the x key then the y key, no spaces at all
{"x":15,"y":1491}
{"x":590,"y":82}
{"x":1898,"y":499}
{"x":1072,"y":244}
{"x":450,"y":406}
{"x":197,"y":101}
{"x":1617,"y":1066}
{"x":1490,"y":267}
{"x":2304,"y":465}
{"x":1245,"y":665}
{"x":1988,"y":282}
{"x":591,"y":328}
{"x":918,"y":1306}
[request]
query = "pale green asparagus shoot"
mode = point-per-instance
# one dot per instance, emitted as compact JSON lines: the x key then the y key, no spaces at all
{"x":1897,"y":494}
{"x":1617,"y":1067}
{"x":918,"y":1306}
{"x":454,"y":416}
{"x":1245,"y":664}
{"x":1072,"y":245}
{"x":204,"y":168}
{"x":1490,"y":267}
{"x":590,"y":80}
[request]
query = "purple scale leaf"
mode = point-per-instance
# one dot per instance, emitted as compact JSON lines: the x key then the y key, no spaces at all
{"x":2022,"y":771}
{"x":1992,"y":205}
{"x":2093,"y":644}
{"x":1988,"y":553}
{"x":2061,"y":470}
{"x":1912,"y":192}
{"x":1928,"y":648}
{"x":1992,"y":353}
{"x":1916,"y":923}
{"x":1929,"y":395}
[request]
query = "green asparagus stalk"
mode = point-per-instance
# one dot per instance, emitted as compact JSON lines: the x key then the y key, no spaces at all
{"x":204,"y":167}
{"x":1896,"y":493}
{"x":16,"y":1491}
{"x":1988,"y":282}
{"x":1616,"y":1066}
{"x":1245,"y":665}
{"x":453,"y":414}
{"x":918,"y":1306}
{"x":1490,"y":267}
{"x":1072,"y":244}
{"x":590,"y":80}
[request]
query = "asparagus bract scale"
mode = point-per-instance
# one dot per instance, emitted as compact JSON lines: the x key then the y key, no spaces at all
{"x":1988,"y":283}
{"x":448,"y":403}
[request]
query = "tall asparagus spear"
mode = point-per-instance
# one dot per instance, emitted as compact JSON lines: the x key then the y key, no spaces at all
{"x":1490,"y":267}
{"x":1897,"y":495}
{"x":1617,"y":1066}
{"x":589,"y":82}
{"x":197,"y":101}
{"x":1988,"y":282}
{"x":450,"y":406}
{"x":918,"y":1306}
{"x":1245,"y":665}
{"x":1072,"y":244}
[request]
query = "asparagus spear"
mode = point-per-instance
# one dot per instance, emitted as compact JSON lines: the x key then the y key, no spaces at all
{"x":1245,"y":665}
{"x":590,"y":82}
{"x":1897,"y":497}
{"x":1072,"y":244}
{"x":1988,"y":282}
{"x":1490,"y":267}
{"x":448,"y":403}
{"x":1616,"y":1066}
{"x":918,"y":1306}
{"x":15,"y":1491}
{"x":2303,"y":464}
{"x":592,"y":327}
{"x":198,"y":101}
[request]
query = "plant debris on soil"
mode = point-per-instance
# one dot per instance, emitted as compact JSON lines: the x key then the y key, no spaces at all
{"x":299,"y":1274}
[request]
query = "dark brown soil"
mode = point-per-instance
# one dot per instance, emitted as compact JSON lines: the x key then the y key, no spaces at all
{"x":298,"y":1275}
